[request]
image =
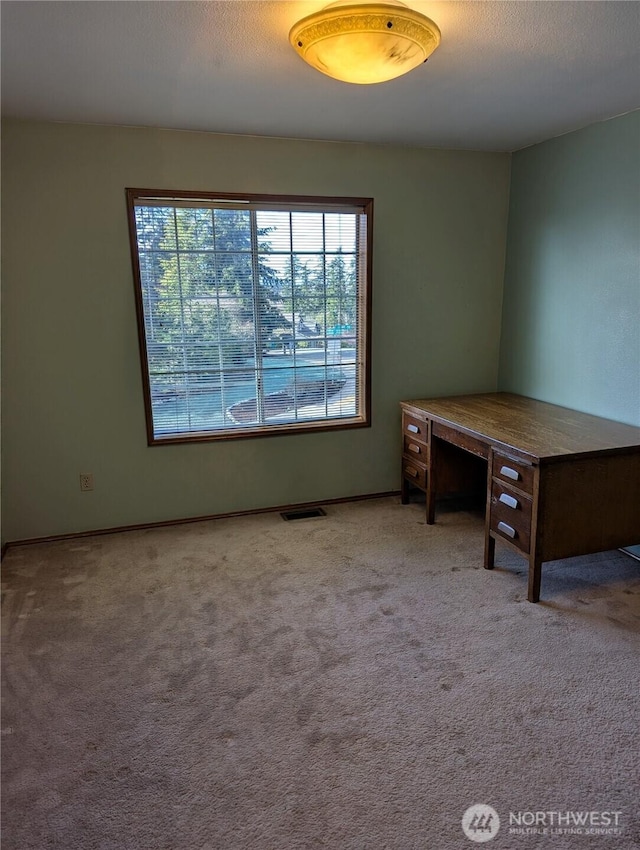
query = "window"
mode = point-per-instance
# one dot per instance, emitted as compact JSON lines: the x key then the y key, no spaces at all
{"x":253,"y":312}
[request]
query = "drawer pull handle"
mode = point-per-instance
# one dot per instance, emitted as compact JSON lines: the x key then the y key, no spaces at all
{"x":412,"y":472}
{"x":506,"y":529}
{"x":508,"y":500}
{"x":413,"y":428}
{"x":414,"y":448}
{"x":510,"y":473}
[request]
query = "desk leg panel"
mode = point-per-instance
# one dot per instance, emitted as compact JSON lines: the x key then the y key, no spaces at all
{"x":489,"y":551}
{"x":590,"y":505}
{"x":535,"y":577}
{"x":489,"y":541}
{"x":404,"y":486}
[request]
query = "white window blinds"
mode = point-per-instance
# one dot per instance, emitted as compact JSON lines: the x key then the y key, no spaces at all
{"x":253,"y":312}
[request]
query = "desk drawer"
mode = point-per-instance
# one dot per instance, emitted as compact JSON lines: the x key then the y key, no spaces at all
{"x":415,"y":428}
{"x":511,"y":504}
{"x":510,"y":516}
{"x":513,"y":472}
{"x":460,"y":439}
{"x":415,"y":449}
{"x":509,"y":530}
{"x":414,"y":472}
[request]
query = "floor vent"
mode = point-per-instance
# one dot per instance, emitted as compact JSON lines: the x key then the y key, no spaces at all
{"x":305,"y":513}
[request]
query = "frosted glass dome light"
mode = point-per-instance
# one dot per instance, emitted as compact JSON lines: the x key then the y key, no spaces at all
{"x":365,"y":42}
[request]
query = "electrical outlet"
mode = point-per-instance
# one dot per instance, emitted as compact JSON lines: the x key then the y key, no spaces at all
{"x":86,"y":481}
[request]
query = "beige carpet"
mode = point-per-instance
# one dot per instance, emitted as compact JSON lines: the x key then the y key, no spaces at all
{"x":354,"y":682}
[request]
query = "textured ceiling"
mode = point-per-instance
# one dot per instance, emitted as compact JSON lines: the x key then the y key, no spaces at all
{"x":507,"y":74}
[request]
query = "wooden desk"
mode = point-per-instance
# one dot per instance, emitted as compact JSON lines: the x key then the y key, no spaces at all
{"x":559,"y":483}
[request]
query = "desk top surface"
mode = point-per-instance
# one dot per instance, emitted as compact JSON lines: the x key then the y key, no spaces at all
{"x":538,"y":429}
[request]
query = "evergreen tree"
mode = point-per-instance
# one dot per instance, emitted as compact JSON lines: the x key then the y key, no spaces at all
{"x":197,"y":275}
{"x":341,"y":292}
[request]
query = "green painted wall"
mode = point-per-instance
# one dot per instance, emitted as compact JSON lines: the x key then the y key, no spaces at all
{"x":571,"y":314}
{"x":72,"y":397}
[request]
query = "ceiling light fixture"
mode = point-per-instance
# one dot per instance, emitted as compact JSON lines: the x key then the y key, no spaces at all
{"x":365,"y":42}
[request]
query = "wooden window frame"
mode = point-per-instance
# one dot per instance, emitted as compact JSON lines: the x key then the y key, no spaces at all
{"x":291,"y":203}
